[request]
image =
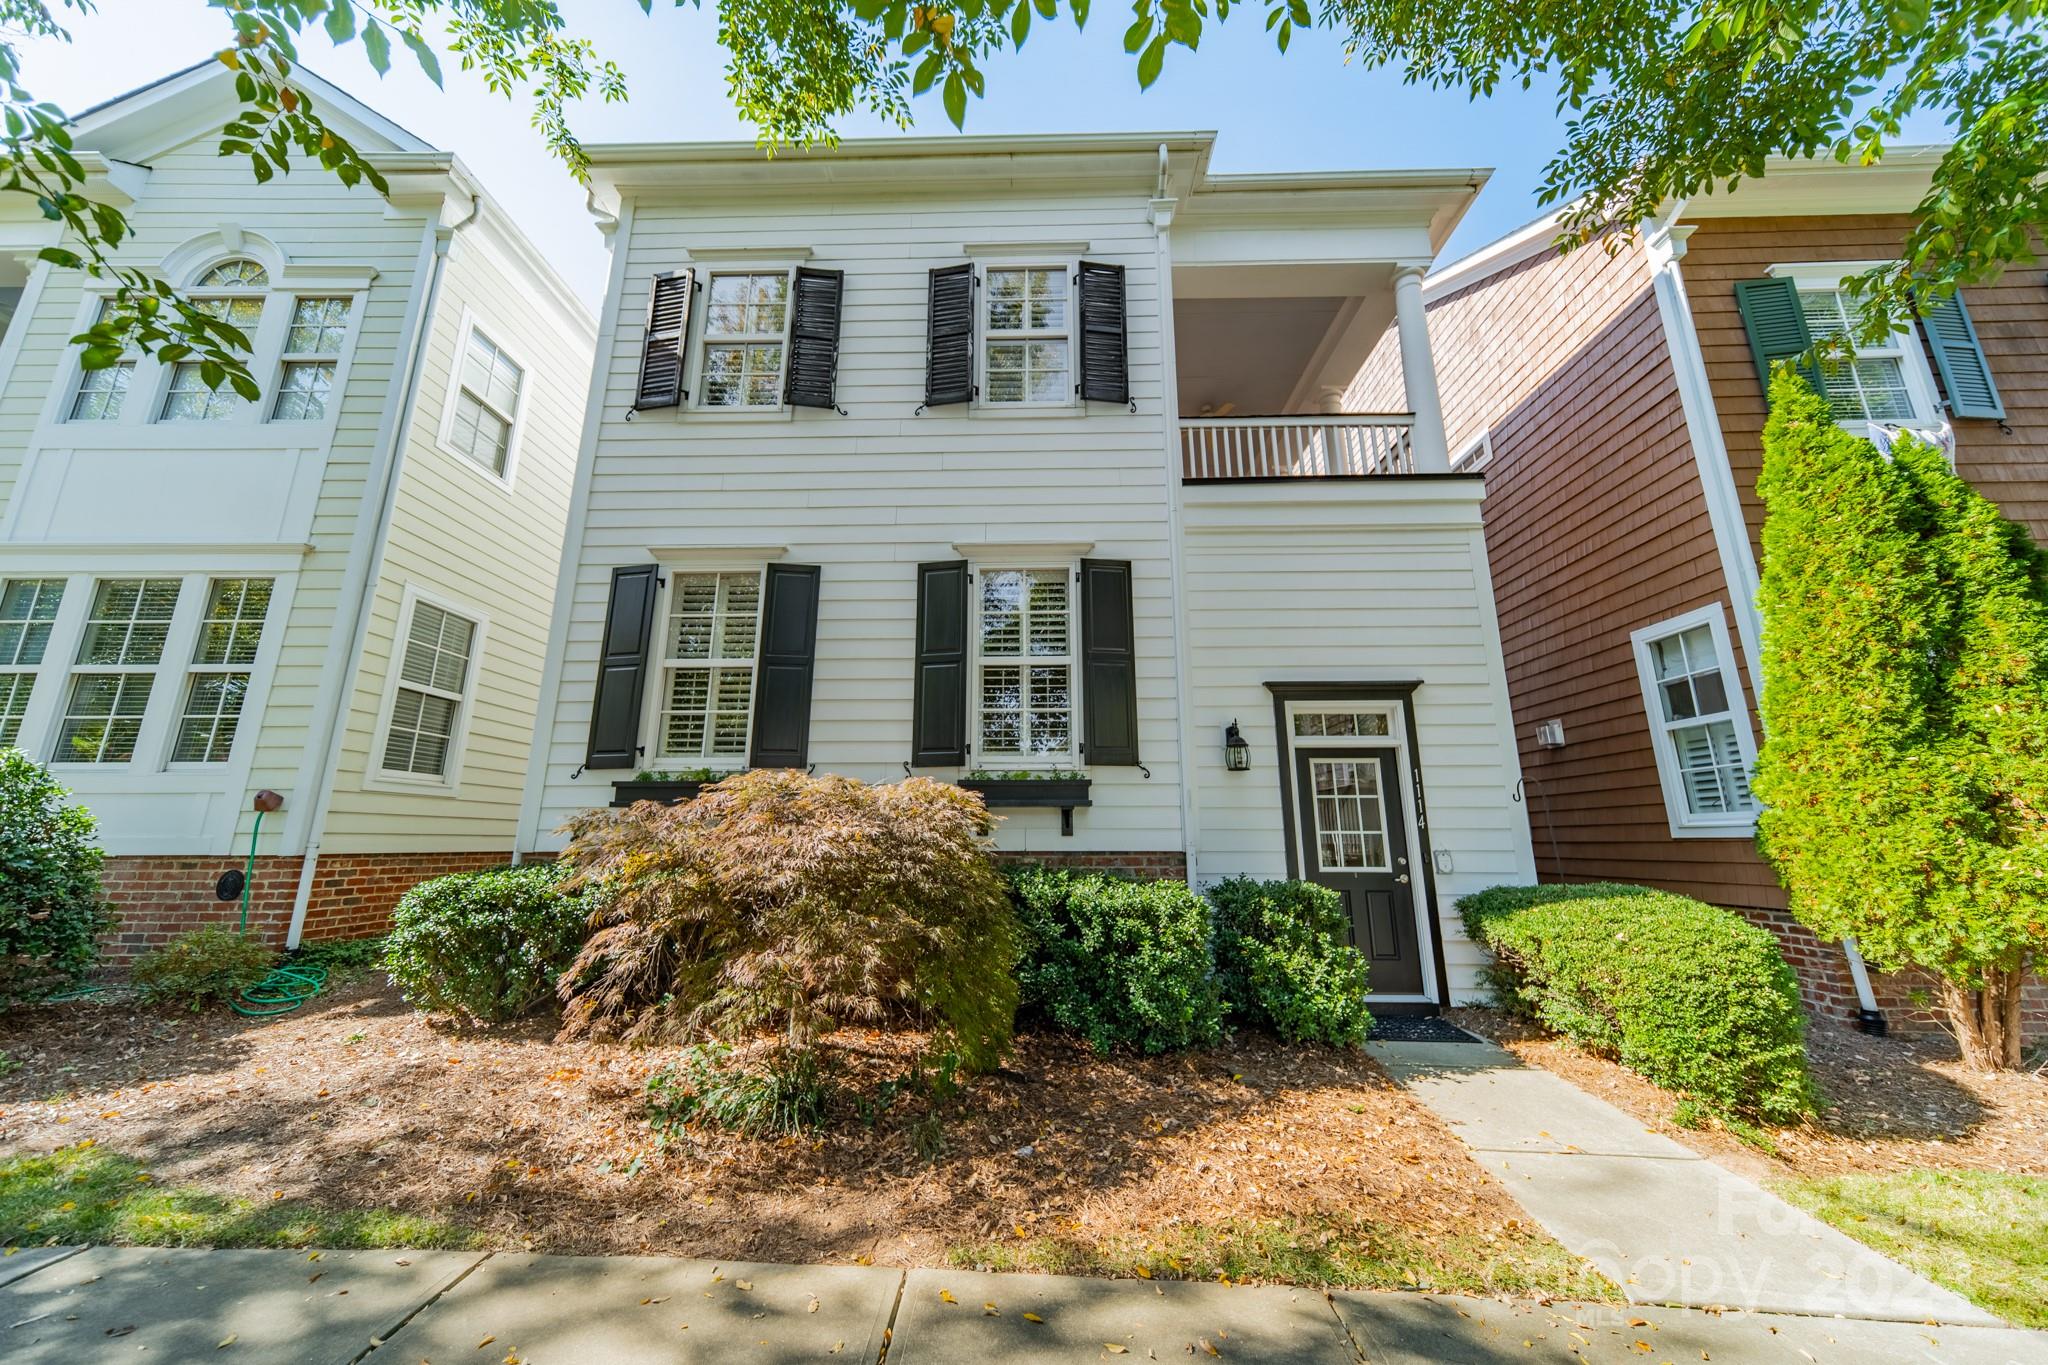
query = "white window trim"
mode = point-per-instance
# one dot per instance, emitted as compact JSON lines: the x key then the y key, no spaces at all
{"x":1071,"y":759}
{"x":336,"y":392}
{"x":165,"y":698}
{"x":700,"y":326}
{"x":444,"y":436}
{"x":651,"y":705}
{"x":1683,"y":823}
{"x":190,"y":669}
{"x":375,"y":776}
{"x":1475,"y":455}
{"x":1068,"y":406}
{"x":1929,"y":413}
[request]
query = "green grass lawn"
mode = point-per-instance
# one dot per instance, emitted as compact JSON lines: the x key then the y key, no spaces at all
{"x":1314,"y":1252}
{"x":1981,"y":1233}
{"x":87,"y":1195}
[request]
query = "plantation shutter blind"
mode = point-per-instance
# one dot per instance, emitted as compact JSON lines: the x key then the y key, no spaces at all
{"x":668,"y":328}
{"x":1105,"y":335}
{"x":1777,"y":329}
{"x":789,"y":649}
{"x":1109,"y":672}
{"x":812,"y":372}
{"x":622,"y":668}
{"x":1965,"y":374}
{"x":1711,"y":767}
{"x":949,"y":337}
{"x":939,"y":695}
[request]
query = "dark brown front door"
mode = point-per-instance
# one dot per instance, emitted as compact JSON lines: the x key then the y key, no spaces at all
{"x":1353,"y":841}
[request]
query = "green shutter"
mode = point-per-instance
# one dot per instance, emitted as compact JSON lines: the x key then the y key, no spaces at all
{"x":1965,"y":374}
{"x":1777,"y":328}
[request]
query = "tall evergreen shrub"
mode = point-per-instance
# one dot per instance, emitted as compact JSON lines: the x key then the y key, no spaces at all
{"x":51,"y":911}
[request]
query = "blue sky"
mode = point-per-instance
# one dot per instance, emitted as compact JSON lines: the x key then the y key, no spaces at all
{"x":1306,"y":110}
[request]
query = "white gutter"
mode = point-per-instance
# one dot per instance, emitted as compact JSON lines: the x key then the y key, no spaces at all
{"x":361,"y":582}
{"x":1161,"y":213}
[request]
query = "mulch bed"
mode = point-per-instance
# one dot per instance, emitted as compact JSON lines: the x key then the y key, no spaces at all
{"x":535,"y":1143}
{"x":1890,"y":1104}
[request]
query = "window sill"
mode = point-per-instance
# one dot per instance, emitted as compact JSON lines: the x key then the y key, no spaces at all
{"x":413,"y":786}
{"x":1734,"y":829}
{"x":1032,"y":411}
{"x":784,"y":413}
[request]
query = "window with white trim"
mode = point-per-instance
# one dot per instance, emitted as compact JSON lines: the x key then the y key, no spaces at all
{"x":746,"y":335}
{"x":1024,"y":666}
{"x":217,"y":682}
{"x":1027,"y":353}
{"x":101,"y":392}
{"x":312,"y":351}
{"x":433,"y":682}
{"x":707,"y":667}
{"x":28,"y":612}
{"x":125,"y":632}
{"x":1705,"y":750}
{"x":240,"y":304}
{"x":486,"y":403}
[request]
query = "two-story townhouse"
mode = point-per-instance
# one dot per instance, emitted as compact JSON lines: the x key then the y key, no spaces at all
{"x":338,"y":593}
{"x":1020,"y":461}
{"x":1616,"y":400}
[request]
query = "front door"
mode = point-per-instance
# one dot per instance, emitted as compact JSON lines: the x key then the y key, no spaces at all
{"x":1353,"y":842}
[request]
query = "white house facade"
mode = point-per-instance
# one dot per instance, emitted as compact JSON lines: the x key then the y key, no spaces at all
{"x":1020,"y":462}
{"x":338,"y":593}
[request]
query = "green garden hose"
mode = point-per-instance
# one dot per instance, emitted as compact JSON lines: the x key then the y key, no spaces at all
{"x":286,"y":987}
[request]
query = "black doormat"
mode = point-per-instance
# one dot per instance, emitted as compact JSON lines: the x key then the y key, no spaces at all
{"x":1417,"y":1028}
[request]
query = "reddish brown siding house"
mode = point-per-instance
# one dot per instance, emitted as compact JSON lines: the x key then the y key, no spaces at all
{"x":1614,"y":400}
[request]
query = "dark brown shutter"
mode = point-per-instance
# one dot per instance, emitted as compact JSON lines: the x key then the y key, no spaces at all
{"x":1777,"y":328}
{"x":1109,"y":664}
{"x":622,"y":669}
{"x":668,"y":328}
{"x":938,"y":705}
{"x":813,"y":367}
{"x":1105,"y":335}
{"x":949,"y":337}
{"x":789,"y":648}
{"x":1965,"y":373}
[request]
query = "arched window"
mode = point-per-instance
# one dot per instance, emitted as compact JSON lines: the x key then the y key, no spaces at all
{"x":240,"y":273}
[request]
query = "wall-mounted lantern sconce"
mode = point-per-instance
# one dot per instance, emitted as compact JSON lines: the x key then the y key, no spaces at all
{"x":1550,"y":734}
{"x":1237,"y":755}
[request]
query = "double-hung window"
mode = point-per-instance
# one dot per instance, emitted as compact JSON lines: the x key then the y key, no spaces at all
{"x":28,"y":609}
{"x":1886,"y":382}
{"x":486,"y":407}
{"x":239,"y":303}
{"x":1699,"y":723}
{"x":218,"y":680}
{"x":707,"y":668}
{"x":125,"y":632}
{"x":1024,"y":666}
{"x":312,"y":350}
{"x":432,"y":687}
{"x":746,"y":331}
{"x":101,"y":392}
{"x":1028,"y":339}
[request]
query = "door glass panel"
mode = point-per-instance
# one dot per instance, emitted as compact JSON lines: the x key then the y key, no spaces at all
{"x":1350,"y":815}
{"x":1340,"y":724}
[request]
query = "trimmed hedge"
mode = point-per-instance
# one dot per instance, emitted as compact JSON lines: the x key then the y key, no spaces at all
{"x":1286,"y":963}
{"x":488,"y":944}
{"x":1122,"y":963}
{"x":1691,"y":996}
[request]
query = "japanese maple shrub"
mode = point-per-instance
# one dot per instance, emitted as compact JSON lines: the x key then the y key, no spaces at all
{"x":487,"y":945}
{"x":1904,"y":772}
{"x":51,"y":910}
{"x":1285,"y":962}
{"x":1691,"y":996}
{"x":1123,"y":963}
{"x":777,"y":907}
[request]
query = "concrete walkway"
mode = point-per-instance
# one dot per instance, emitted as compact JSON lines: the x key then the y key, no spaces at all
{"x":1661,"y":1221}
{"x":105,"y":1304}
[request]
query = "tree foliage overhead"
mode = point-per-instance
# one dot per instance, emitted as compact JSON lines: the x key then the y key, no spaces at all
{"x":1665,"y":100}
{"x":1904,"y":772}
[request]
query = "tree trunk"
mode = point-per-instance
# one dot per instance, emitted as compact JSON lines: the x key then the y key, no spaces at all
{"x":1987,"y":1022}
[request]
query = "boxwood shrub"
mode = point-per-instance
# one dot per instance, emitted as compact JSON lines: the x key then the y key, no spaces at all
{"x":51,"y":910}
{"x":1691,"y":996}
{"x":1285,"y":961}
{"x":488,"y":944}
{"x":1123,"y":963}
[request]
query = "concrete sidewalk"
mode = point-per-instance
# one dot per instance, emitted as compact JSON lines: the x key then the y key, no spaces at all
{"x":106,"y":1304}
{"x":1661,"y":1221}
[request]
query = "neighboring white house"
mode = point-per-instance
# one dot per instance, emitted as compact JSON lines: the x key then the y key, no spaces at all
{"x":1023,"y":455}
{"x":338,"y":593}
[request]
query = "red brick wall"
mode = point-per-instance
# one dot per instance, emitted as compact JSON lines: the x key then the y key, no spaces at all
{"x":159,"y":898}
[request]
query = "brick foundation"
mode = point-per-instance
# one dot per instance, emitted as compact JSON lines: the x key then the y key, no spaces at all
{"x":1147,"y":866}
{"x":159,"y":898}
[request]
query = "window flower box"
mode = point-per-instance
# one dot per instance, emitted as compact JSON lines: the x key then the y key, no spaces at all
{"x":670,"y":789}
{"x":1046,"y":791}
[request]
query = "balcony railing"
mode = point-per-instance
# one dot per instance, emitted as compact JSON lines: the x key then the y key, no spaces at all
{"x":1349,"y":445}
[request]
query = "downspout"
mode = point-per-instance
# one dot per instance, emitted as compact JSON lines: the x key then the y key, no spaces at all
{"x":1161,"y":213}
{"x":358,"y":607}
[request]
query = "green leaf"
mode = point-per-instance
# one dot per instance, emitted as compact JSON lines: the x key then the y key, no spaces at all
{"x":1047,"y":9}
{"x":1149,"y":62}
{"x":1286,"y":32}
{"x":1298,"y":10}
{"x":57,"y":255}
{"x":377,"y":47}
{"x":955,"y":96}
{"x":1080,"y":13}
{"x":927,"y":72}
{"x":429,"y":63}
{"x":341,"y":21}
{"x":1137,"y":33}
{"x":244,"y":385}
{"x":1020,"y":23}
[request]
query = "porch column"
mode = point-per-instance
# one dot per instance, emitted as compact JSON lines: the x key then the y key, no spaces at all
{"x":1418,"y":373}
